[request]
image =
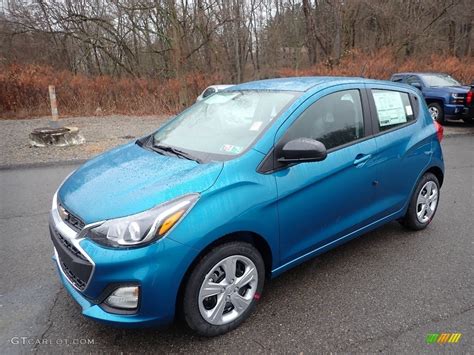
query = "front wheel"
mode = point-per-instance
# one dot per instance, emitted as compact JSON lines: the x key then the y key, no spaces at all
{"x":223,"y":288}
{"x":436,"y":112}
{"x":423,"y":203}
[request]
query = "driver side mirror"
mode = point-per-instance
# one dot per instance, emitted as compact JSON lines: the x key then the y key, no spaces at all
{"x":302,"y":150}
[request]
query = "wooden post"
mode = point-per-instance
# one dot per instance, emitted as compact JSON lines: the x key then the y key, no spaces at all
{"x":54,"y":105}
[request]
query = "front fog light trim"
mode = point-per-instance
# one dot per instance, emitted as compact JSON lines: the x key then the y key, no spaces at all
{"x":125,"y":299}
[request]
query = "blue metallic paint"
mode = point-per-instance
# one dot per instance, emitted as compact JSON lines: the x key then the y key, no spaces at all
{"x":300,"y":211}
{"x":130,"y":179}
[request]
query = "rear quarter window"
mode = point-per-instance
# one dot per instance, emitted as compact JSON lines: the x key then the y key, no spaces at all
{"x":393,"y":108}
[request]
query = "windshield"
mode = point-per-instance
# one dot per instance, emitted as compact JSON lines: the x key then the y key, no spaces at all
{"x":439,"y":80}
{"x":224,"y":124}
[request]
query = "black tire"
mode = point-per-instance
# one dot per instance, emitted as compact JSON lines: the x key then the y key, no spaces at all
{"x":190,"y":306}
{"x":440,"y":110}
{"x":410,"y":220}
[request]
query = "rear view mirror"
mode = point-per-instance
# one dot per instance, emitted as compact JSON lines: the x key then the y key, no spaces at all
{"x":302,"y":150}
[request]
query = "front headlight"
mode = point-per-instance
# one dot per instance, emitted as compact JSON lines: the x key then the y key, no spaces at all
{"x":143,"y":227}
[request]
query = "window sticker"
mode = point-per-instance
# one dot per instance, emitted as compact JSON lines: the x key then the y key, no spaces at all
{"x":390,"y":108}
{"x":256,"y":125}
{"x":408,"y":110}
{"x":229,"y":148}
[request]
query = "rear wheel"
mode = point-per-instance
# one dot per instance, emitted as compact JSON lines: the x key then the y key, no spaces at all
{"x":423,"y":203}
{"x":223,"y":288}
{"x":436,"y":112}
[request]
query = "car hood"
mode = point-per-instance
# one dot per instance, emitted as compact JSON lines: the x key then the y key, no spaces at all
{"x":450,"y":89}
{"x":131,"y":179}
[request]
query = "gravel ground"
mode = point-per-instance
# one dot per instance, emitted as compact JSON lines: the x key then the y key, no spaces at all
{"x":101,"y":133}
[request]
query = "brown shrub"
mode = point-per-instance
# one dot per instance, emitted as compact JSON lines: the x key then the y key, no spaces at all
{"x":24,"y":93}
{"x":384,"y":63}
{"x":24,"y":89}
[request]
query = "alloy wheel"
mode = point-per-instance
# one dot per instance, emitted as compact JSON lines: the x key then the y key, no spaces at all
{"x":427,"y":202}
{"x":228,"y":290}
{"x":434,"y":112}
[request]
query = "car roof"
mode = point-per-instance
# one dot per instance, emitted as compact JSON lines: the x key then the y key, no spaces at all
{"x":302,"y":84}
{"x":220,"y":86}
{"x":419,"y":73}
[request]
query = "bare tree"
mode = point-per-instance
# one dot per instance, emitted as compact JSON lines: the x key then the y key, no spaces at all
{"x":238,"y":38}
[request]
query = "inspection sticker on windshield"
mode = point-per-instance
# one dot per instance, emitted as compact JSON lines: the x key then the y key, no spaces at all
{"x":229,"y":148}
{"x":256,"y":126}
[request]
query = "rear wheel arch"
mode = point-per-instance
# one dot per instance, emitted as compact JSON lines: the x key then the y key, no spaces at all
{"x":423,"y":202}
{"x":437,"y":172}
{"x":434,"y":169}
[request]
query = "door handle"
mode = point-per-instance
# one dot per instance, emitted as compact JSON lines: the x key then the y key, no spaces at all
{"x":361,"y":158}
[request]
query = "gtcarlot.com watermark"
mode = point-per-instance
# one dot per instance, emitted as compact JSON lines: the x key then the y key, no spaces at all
{"x":22,"y":340}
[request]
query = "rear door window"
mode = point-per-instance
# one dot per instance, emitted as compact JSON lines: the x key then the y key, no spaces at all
{"x":393,"y":108}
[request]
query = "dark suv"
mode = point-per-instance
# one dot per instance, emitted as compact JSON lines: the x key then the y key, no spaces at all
{"x":445,"y":97}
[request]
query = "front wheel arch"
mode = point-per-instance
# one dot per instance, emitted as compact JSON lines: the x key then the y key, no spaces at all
{"x":252,"y":238}
{"x":435,"y":101}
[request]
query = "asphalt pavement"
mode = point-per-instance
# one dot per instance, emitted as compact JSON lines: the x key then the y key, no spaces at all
{"x":385,"y":291}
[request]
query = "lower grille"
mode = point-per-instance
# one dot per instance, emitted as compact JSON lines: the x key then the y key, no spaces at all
{"x":74,"y":264}
{"x":80,"y":284}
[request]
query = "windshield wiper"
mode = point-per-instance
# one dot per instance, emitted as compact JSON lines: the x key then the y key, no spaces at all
{"x":179,"y":153}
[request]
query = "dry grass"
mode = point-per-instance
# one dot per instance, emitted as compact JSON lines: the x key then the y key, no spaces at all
{"x":24,"y":89}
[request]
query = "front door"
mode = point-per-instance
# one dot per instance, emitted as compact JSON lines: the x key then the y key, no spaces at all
{"x":321,"y":201}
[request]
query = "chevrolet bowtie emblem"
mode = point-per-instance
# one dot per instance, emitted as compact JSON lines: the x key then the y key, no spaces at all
{"x":63,"y":213}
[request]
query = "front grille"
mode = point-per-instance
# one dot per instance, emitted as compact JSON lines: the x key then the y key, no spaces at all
{"x":71,"y":220}
{"x":71,"y":247}
{"x":80,"y":284}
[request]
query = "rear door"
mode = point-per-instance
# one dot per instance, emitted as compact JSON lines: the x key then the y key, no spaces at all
{"x":403,"y":146}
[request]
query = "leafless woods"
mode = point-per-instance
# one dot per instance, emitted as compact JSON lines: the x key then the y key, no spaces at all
{"x":235,"y":40}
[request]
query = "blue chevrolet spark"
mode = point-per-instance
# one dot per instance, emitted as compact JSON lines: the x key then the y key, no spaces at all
{"x":239,"y":188}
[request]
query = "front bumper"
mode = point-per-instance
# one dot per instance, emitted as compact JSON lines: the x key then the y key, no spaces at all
{"x":157,"y":268}
{"x":453,"y":111}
